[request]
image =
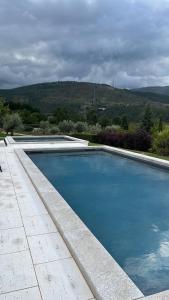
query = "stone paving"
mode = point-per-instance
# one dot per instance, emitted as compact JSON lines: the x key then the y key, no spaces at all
{"x":34,"y":260}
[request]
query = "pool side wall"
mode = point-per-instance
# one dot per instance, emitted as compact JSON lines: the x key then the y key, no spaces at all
{"x":105,"y":277}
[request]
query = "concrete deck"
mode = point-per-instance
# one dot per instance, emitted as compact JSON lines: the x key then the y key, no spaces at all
{"x":34,"y":260}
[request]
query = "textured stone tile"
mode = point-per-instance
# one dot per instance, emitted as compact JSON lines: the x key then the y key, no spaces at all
{"x":39,"y":225}
{"x":32,"y":208}
{"x":12,"y":240}
{"x":62,"y":280}
{"x":10,"y":219}
{"x":28,"y":294}
{"x":8,"y":203}
{"x":47,"y":247}
{"x":17,"y":272}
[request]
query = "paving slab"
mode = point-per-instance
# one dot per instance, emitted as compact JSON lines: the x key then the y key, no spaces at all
{"x":8,"y":204}
{"x":17,"y":272}
{"x":10,"y":219}
{"x":32,"y":208}
{"x":12,"y":240}
{"x":27,"y":294}
{"x":47,"y":247}
{"x":62,"y":280}
{"x":39,"y":225}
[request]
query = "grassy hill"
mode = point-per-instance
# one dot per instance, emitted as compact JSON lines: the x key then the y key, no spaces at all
{"x":78,"y":96}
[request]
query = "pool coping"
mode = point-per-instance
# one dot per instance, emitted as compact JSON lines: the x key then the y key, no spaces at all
{"x":9,"y":140}
{"x":105,"y":277}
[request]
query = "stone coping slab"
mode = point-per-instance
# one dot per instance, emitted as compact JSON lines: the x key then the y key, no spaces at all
{"x":105,"y":277}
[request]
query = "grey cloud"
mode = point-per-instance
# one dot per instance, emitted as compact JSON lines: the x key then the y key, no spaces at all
{"x":125,"y":41}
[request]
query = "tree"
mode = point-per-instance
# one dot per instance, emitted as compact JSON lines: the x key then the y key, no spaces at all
{"x":12,"y":122}
{"x":124,"y":123}
{"x":4,"y":109}
{"x":61,"y":114}
{"x":92,"y":116}
{"x":160,"y":125}
{"x":104,"y":121}
{"x":147,"y":122}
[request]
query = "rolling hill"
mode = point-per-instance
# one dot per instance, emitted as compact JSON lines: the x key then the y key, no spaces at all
{"x":47,"y":97}
{"x":157,"y":90}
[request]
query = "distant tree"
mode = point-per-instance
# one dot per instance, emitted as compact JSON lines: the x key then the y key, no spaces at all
{"x":124,"y":123}
{"x":4,"y":109}
{"x":92,"y":116}
{"x":117,"y":121}
{"x":147,"y":122}
{"x":61,"y":114}
{"x":104,"y":121}
{"x":160,"y":125}
{"x":12,"y":122}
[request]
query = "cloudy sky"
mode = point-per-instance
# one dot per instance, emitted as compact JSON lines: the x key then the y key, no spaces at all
{"x":120,"y":42}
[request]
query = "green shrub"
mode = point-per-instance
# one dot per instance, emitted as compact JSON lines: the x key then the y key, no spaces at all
{"x":81,"y":127}
{"x":44,"y":126}
{"x":139,"y":140}
{"x":95,"y":129}
{"x":37,"y":131}
{"x":53,"y":130}
{"x":112,"y":128}
{"x":161,"y":142}
{"x":66,"y":126}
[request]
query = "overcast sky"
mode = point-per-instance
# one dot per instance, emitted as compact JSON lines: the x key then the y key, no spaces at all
{"x":120,"y":42}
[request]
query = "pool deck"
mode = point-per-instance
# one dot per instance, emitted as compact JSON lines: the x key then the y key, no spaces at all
{"x":35,"y":262}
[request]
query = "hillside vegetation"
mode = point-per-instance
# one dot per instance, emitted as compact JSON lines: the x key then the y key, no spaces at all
{"x":156,"y":90}
{"x":81,"y":96}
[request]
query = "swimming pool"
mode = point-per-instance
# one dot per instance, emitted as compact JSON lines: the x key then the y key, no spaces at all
{"x":124,"y":203}
{"x":41,"y":139}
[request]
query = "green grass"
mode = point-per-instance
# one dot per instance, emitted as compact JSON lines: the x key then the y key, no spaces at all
{"x":94,"y":144}
{"x":2,"y":135}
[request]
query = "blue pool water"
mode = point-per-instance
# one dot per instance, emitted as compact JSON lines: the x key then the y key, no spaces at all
{"x":124,"y":203}
{"x":41,"y":139}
